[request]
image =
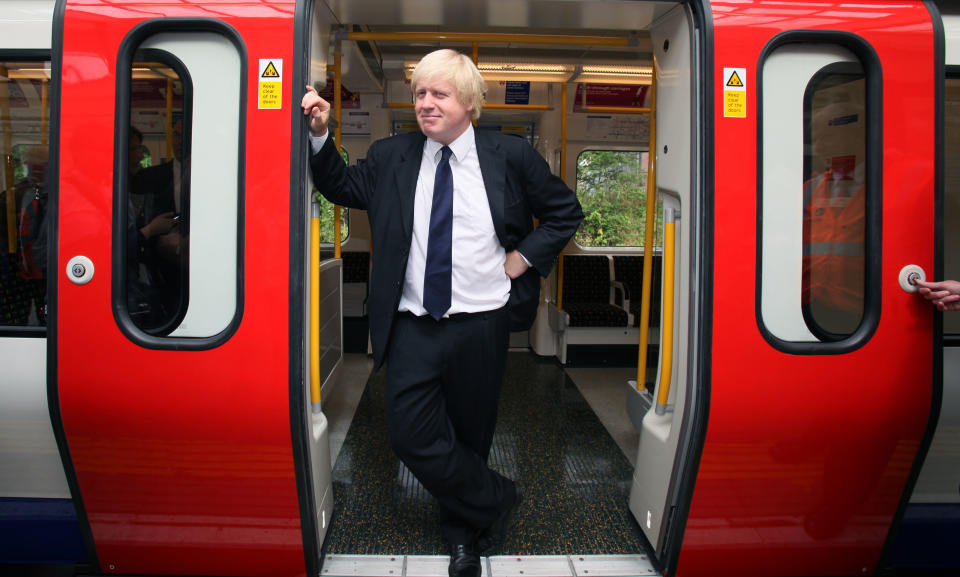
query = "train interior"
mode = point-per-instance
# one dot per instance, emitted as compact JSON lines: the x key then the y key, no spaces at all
{"x":582,"y":96}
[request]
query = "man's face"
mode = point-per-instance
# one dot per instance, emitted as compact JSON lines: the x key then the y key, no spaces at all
{"x":440,"y":114}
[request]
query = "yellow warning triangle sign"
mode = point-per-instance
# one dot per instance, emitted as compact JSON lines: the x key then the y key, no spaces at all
{"x":733,"y":81}
{"x":270,"y":71}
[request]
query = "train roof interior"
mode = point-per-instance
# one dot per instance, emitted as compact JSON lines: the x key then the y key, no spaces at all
{"x":369,"y":66}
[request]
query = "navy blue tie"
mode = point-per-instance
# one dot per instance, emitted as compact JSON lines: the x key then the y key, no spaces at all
{"x":437,"y":276}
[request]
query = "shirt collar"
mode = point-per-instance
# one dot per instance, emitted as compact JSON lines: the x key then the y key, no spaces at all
{"x":460,"y":147}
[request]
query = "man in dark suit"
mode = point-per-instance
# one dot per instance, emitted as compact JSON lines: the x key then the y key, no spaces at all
{"x":455,"y":267}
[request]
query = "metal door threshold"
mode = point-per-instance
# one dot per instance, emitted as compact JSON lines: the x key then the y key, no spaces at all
{"x":498,"y":566}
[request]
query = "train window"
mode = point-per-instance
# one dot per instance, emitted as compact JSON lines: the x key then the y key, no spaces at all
{"x":327,"y":213}
{"x":814,"y":199}
{"x":612,"y":188}
{"x":326,"y":221}
{"x":951,"y":195}
{"x":24,"y":133}
{"x":180,"y":247}
{"x":834,"y":203}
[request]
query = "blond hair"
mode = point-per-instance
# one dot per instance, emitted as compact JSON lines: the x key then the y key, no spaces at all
{"x":458,"y":70}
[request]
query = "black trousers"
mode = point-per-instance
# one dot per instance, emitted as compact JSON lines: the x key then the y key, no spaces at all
{"x":443,"y":385}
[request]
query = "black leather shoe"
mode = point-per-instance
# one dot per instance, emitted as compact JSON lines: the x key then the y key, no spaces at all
{"x":464,"y":561}
{"x":491,"y":537}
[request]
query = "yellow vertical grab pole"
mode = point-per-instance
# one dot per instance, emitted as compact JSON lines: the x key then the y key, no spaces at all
{"x":315,"y":307}
{"x":338,"y":134}
{"x":666,"y":346}
{"x":651,"y":223}
{"x":315,"y":253}
{"x":5,"y":127}
{"x":563,"y":176}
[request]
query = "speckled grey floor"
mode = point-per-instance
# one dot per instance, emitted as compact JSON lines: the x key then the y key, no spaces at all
{"x":575,"y":479}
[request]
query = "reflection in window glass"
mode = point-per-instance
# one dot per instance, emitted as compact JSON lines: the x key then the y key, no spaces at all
{"x":834,"y":206}
{"x":158,"y":204}
{"x":612,"y":188}
{"x":24,"y":126}
{"x":951,"y":194}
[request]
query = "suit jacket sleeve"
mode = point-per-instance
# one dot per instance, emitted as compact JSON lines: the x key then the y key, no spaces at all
{"x":348,"y":186}
{"x":549,"y":199}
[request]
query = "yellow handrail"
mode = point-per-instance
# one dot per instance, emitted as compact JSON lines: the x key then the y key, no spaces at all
{"x":315,"y":307}
{"x":648,"y":239}
{"x":666,"y":324}
{"x":467,"y":37}
{"x":486,"y":106}
{"x":618,"y":109}
{"x":315,"y":253}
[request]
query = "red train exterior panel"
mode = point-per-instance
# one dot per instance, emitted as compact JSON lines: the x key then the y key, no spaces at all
{"x":183,"y":458}
{"x":807,"y":456}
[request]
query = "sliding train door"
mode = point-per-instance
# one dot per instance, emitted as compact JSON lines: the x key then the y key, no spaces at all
{"x":178,"y":385}
{"x":820,"y":368}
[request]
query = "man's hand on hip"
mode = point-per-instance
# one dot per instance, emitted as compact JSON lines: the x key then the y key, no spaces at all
{"x":515,"y":265}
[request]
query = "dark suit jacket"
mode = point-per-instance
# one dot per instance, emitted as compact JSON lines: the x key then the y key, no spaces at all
{"x":519,"y":187}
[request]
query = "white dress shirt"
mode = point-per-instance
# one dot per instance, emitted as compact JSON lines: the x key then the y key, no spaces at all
{"x":479,"y":281}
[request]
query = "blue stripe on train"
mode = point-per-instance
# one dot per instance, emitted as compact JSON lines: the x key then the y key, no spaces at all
{"x":928,"y":537}
{"x":40,"y":531}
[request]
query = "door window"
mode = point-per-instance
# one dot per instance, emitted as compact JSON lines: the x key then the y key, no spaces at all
{"x":177,"y":231}
{"x":819,"y":200}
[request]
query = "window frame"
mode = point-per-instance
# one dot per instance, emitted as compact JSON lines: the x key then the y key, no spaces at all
{"x":40,"y":55}
{"x":807,"y":312}
{"x":124,"y":191}
{"x":121,"y":192}
{"x":873,"y":248}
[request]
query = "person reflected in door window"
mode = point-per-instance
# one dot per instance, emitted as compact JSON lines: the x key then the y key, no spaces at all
{"x":23,"y":250}
{"x":144,"y":302}
{"x":163,"y":208}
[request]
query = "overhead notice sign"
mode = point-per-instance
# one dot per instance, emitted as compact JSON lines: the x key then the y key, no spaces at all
{"x":270,"y":84}
{"x":735,"y":92}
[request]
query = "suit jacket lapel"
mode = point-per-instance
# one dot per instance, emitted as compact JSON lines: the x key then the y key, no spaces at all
{"x":407,"y":172}
{"x":493,"y":167}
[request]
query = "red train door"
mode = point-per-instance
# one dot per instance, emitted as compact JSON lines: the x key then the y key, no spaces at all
{"x":821,"y":364}
{"x":177,"y":384}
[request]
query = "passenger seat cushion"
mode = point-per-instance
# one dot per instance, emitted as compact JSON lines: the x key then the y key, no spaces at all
{"x":356,"y":267}
{"x":595,"y":314}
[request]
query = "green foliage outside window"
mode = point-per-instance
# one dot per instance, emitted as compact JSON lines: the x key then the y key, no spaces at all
{"x":326,"y":221}
{"x":612,"y":187}
{"x":326,"y":213}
